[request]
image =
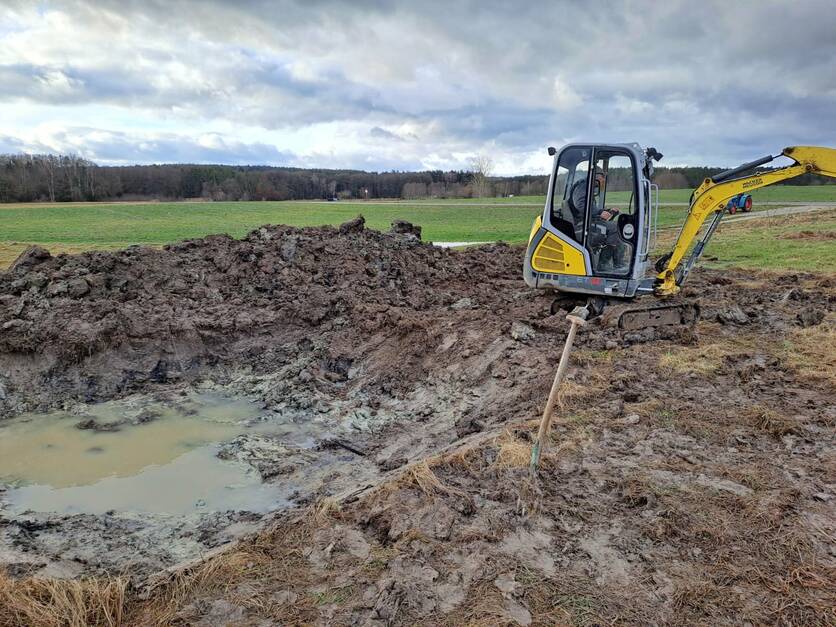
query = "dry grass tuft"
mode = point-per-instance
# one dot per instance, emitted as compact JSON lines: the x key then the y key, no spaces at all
{"x":218,"y":573}
{"x":422,"y":476}
{"x":811,"y":352}
{"x":33,"y":602}
{"x":770,"y":421}
{"x":703,"y":360}
{"x":321,"y":511}
{"x":571,"y":391}
{"x":587,"y":357}
{"x":512,"y":452}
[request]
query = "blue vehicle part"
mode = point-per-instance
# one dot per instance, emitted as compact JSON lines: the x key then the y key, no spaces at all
{"x":741,"y":202}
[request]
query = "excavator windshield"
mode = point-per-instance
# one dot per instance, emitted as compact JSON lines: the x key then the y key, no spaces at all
{"x":599,"y":210}
{"x":612,"y":217}
{"x":570,"y":193}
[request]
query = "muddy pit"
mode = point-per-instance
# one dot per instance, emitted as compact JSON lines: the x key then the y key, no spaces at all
{"x":691,"y":469}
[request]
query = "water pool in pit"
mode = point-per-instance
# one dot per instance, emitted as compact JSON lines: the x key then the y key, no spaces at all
{"x":137,"y":455}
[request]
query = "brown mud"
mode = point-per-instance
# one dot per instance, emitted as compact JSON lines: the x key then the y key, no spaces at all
{"x":690,"y":476}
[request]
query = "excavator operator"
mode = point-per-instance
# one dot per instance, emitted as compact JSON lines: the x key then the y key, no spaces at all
{"x":603,"y":230}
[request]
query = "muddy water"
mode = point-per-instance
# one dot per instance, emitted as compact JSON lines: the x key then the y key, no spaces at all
{"x":134,"y":456}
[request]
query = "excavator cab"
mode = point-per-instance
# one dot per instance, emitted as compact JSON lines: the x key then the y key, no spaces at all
{"x":595,"y":232}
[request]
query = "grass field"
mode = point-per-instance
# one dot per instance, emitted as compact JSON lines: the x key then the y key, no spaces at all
{"x":799,"y":242}
{"x":804,"y":241}
{"x":776,"y":193}
{"x":76,"y":227}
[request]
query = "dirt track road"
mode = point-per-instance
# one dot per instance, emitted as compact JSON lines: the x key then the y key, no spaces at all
{"x":782,"y":211}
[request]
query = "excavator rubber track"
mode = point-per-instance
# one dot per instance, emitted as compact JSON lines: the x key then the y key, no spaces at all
{"x":636,"y":319}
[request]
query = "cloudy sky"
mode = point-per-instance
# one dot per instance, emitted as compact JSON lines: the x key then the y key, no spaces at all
{"x":413,"y":85}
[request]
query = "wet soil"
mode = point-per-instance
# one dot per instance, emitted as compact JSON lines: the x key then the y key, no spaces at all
{"x":690,"y":478}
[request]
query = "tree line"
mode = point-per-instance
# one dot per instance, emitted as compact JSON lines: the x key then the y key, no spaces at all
{"x":60,"y":178}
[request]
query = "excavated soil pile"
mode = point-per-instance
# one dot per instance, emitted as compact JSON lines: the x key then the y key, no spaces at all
{"x":91,"y":326}
{"x":690,"y":477}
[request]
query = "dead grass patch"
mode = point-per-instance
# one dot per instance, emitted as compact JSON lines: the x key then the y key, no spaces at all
{"x":421,"y":476}
{"x":587,"y":357}
{"x":34,"y":602}
{"x":570,"y":391}
{"x":213,"y":576}
{"x":769,"y":421}
{"x":700,"y":598}
{"x":512,"y":452}
{"x":811,"y":352}
{"x":320,"y":512}
{"x":813,"y":235}
{"x":702,"y":360}
{"x":274,"y":559}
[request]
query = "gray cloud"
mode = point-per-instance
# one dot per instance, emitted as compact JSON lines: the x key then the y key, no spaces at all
{"x":425,"y":84}
{"x":115,"y":148}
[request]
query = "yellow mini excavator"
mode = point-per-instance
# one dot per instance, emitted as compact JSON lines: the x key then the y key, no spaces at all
{"x":582,"y":245}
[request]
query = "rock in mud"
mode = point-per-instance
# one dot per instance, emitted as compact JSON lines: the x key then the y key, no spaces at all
{"x":632,"y":419}
{"x":353,"y":226}
{"x":78,"y":287}
{"x":392,"y":462}
{"x":733,"y":315}
{"x":794,"y":294}
{"x":15,"y":324}
{"x":284,"y":597}
{"x":268,"y":455}
{"x":517,"y":612}
{"x":145,"y":416}
{"x":521,"y":331}
{"x":467,"y":425}
{"x":212,"y":613}
{"x":30,"y":258}
{"x":810,"y":317}
{"x":92,"y":424}
{"x":58,"y":288}
{"x":506,"y":584}
{"x":36,"y":279}
{"x":402,"y":227}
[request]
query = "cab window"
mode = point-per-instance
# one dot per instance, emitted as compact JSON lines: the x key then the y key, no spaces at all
{"x":612,"y":227}
{"x":568,"y":209}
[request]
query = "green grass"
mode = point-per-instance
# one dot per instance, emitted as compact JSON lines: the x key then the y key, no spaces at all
{"x":775,"y":193}
{"x":795,"y":193}
{"x":159,"y":223}
{"x":75,"y":227}
{"x":800,"y":242}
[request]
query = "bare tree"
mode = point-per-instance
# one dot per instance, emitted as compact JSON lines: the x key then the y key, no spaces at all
{"x":481,"y":167}
{"x":49,"y":163}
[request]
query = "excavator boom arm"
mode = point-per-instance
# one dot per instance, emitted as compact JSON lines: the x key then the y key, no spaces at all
{"x":711,"y":197}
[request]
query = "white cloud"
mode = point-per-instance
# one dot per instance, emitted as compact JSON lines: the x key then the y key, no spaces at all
{"x":301,"y":81}
{"x":565,"y":97}
{"x":632,"y":106}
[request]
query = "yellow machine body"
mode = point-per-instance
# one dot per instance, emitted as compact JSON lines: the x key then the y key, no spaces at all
{"x":554,"y":255}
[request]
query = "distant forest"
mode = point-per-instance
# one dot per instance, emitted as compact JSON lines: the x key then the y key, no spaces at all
{"x":26,"y":178}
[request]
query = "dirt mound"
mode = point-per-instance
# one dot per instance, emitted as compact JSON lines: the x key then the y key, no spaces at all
{"x":811,"y":235}
{"x":98,"y":324}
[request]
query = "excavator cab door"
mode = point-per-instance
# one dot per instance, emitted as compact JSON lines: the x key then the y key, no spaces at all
{"x":612,"y":212}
